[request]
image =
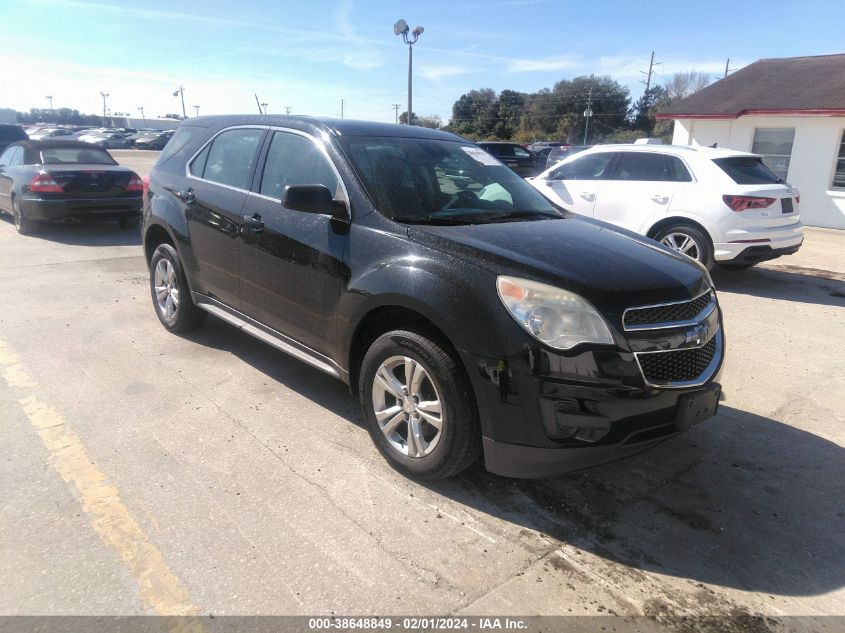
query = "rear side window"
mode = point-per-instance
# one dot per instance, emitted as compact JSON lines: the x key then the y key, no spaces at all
{"x":179,"y":141}
{"x":748,"y":170}
{"x":520,"y":152}
{"x":12,"y":133}
{"x":230,"y":159}
{"x":589,"y":167}
{"x":295,"y":160}
{"x":12,"y":157}
{"x":651,"y":167}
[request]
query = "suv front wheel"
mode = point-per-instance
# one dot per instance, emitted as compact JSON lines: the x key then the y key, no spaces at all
{"x":419,"y":406}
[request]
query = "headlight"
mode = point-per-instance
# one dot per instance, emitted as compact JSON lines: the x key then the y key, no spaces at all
{"x":557,"y":317}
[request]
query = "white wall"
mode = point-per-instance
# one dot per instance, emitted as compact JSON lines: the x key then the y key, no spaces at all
{"x":811,"y":167}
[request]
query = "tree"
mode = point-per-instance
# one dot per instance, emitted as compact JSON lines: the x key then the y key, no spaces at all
{"x":403,"y":118}
{"x":684,"y":84}
{"x":475,"y":113}
{"x":434,"y":122}
{"x":646,"y":107}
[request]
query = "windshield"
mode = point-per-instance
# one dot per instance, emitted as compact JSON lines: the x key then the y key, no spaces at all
{"x":424,"y":180}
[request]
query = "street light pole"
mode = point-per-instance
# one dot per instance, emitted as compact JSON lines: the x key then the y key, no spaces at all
{"x":410,"y":38}
{"x":197,"y":108}
{"x":141,"y":108}
{"x":181,"y":92}
{"x":105,"y":96}
{"x":52,"y":114}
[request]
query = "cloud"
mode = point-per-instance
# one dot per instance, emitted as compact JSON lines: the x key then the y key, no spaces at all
{"x":363,"y":55}
{"x":540,"y":65}
{"x":436,"y":73}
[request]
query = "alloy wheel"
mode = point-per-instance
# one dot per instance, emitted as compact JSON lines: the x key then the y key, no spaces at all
{"x":166,"y":288}
{"x":682,"y":243}
{"x":407,"y":406}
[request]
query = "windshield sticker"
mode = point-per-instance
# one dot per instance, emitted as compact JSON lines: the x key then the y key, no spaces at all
{"x":480,"y":155}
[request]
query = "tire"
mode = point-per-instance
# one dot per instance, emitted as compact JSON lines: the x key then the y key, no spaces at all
{"x":129,"y":222}
{"x":24,"y":225}
{"x":438,"y":453}
{"x":176,"y":311}
{"x":699,"y":245}
{"x":737,"y":266}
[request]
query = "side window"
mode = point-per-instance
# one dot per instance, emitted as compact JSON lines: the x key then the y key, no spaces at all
{"x":677,"y":170}
{"x":17,"y":157}
{"x":6,"y":157}
{"x":231,"y":157}
{"x":643,"y":166}
{"x":589,"y":167}
{"x":521,"y":153}
{"x":198,"y":164}
{"x":295,"y":160}
{"x":504,"y":151}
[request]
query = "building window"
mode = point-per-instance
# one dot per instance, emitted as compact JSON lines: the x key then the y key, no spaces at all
{"x":774,"y":144}
{"x":839,"y":174}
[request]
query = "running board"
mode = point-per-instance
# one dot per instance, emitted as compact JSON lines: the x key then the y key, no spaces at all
{"x":263,"y":333}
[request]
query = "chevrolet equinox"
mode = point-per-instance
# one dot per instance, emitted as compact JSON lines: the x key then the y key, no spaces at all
{"x":471,"y":315}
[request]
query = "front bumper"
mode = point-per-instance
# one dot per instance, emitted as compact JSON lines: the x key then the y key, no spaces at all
{"x":48,"y":210}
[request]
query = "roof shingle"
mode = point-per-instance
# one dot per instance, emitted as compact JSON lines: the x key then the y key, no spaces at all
{"x":793,"y":85}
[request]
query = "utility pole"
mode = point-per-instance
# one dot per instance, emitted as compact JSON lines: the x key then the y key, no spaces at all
{"x":287,"y":110}
{"x":587,"y":114}
{"x":651,"y":65}
{"x":341,"y":108}
{"x":178,"y":92}
{"x":197,"y":109}
{"x":396,"y":107}
{"x":104,"y":95}
{"x":258,"y":103}
{"x":141,"y":108}
{"x":727,"y":66}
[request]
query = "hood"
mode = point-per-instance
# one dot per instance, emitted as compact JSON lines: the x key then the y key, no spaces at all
{"x":612,"y":268}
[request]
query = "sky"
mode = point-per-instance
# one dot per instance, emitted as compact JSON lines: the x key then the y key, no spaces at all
{"x":309,"y":56}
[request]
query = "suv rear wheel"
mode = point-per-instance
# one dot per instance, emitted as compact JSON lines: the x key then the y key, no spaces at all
{"x":171,"y":295}
{"x":418,"y":405}
{"x":688,"y":240}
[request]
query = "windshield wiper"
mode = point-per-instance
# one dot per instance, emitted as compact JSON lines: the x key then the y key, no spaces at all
{"x":523,"y":215}
{"x":433,"y":219}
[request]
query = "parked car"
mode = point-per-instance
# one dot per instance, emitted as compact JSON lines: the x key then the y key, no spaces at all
{"x":50,"y":132}
{"x":10,"y":134}
{"x":107,"y":140}
{"x":717,"y":206}
{"x":44,"y":181}
{"x":155,"y":140}
{"x":469,"y":319}
{"x":514,"y":156}
{"x":559,"y":152}
{"x":539,"y":146}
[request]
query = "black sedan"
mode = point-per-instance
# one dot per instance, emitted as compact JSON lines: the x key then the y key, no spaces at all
{"x":153,"y":140}
{"x":44,"y":181}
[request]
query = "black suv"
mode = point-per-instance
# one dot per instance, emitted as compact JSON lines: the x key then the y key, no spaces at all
{"x":468,"y":313}
{"x":516,"y":157}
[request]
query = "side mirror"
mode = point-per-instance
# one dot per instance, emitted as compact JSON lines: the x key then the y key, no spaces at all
{"x":313,"y":199}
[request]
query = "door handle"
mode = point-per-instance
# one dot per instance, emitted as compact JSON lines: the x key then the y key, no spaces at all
{"x":254,"y":223}
{"x":589,"y":197}
{"x":660,"y":199}
{"x":187,"y":196}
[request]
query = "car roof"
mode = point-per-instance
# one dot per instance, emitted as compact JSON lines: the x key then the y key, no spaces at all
{"x":55,"y":144}
{"x":675,"y":150}
{"x":337,"y":127}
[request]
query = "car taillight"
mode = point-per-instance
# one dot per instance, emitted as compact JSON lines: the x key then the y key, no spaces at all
{"x":146,"y":185}
{"x":741,"y":203}
{"x":797,"y":199}
{"x":135,"y":184}
{"x":44,"y":183}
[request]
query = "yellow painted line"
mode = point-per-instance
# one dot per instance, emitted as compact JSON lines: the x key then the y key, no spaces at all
{"x":159,"y":588}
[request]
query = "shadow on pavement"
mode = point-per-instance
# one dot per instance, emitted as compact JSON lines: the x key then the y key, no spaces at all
{"x":85,"y":233}
{"x":792,"y":283}
{"x":741,"y":501}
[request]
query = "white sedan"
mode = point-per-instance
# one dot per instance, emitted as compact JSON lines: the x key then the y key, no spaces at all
{"x":715,"y":205}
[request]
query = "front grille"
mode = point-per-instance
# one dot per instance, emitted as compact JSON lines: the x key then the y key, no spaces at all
{"x":669,"y":313}
{"x":677,"y":366}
